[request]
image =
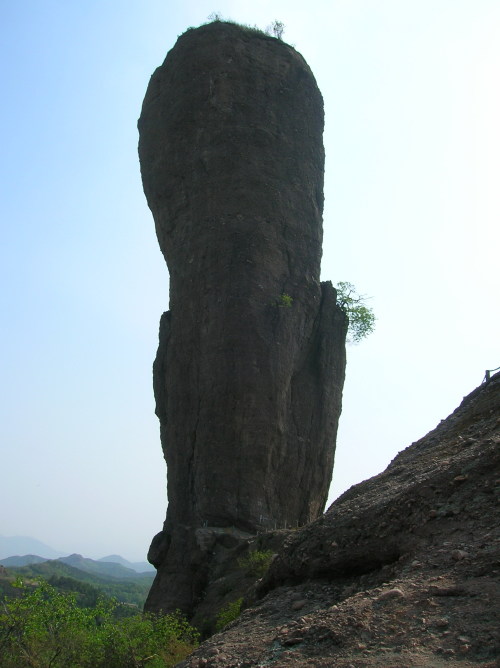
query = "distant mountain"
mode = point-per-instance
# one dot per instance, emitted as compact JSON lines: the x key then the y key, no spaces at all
{"x":138,"y":566}
{"x":56,"y":568}
{"x":20,"y":545}
{"x":33,"y":551}
{"x":11,"y":562}
{"x":106,"y":569}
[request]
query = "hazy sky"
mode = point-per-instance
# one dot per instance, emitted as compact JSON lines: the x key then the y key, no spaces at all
{"x":412,"y":105}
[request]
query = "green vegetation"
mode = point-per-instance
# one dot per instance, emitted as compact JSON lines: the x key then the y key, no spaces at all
{"x":284,"y":301}
{"x":256,"y":563}
{"x":44,"y":628}
{"x":361,"y":317}
{"x":229,"y":613}
{"x":87,"y":586}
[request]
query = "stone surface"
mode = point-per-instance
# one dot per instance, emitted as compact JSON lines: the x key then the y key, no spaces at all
{"x":366,"y":602}
{"x":250,"y":366}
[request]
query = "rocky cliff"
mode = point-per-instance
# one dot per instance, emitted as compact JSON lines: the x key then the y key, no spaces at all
{"x":403,"y":569}
{"x":250,"y":366}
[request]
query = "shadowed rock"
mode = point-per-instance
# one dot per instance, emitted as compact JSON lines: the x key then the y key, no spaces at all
{"x":250,"y":366}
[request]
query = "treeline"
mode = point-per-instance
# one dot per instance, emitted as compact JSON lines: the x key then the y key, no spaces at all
{"x":86,"y":586}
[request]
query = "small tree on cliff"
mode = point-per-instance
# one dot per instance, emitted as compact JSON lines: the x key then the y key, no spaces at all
{"x":361,"y":317}
{"x":276,"y":28}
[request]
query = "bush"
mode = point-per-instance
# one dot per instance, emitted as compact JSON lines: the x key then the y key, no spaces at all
{"x":276,"y":28}
{"x":228,"y":614}
{"x":256,"y":563}
{"x":46,"y":629}
{"x":284,"y":301}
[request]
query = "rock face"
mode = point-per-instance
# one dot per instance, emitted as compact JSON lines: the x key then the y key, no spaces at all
{"x":250,"y":366}
{"x":403,"y":569}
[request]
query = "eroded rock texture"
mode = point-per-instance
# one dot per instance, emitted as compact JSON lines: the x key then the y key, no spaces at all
{"x":248,"y":383}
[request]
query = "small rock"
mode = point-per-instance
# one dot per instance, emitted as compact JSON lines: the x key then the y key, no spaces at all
{"x":458,"y":555}
{"x":391,"y":593}
{"x":292,"y":640}
{"x":442,"y":622}
{"x":297,"y":605}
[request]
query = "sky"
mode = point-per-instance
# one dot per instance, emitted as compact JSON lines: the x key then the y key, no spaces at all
{"x":412,"y":203}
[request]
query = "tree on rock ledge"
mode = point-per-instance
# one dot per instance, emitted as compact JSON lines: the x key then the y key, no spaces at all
{"x":361,"y":317}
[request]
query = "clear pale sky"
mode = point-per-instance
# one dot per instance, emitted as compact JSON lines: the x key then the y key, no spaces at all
{"x":412,"y":138}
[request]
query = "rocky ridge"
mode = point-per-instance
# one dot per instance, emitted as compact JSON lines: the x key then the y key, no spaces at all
{"x":403,"y":570}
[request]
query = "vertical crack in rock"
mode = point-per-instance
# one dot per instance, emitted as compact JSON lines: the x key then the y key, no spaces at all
{"x":248,"y":388}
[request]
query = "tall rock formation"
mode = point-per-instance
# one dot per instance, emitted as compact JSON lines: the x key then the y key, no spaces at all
{"x":250,"y":366}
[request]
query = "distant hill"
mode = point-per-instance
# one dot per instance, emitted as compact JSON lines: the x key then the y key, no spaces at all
{"x":55,"y":568}
{"x":11,"y":562}
{"x":19,"y":545}
{"x":107,"y":569}
{"x":138,"y":566}
{"x":130,"y":589}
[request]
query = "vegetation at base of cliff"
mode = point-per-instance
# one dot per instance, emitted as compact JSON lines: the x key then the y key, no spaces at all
{"x":44,"y":628}
{"x":361,"y":317}
{"x":256,"y":563}
{"x":228,"y":614}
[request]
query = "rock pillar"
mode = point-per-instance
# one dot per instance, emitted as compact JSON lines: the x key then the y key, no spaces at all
{"x":250,"y":366}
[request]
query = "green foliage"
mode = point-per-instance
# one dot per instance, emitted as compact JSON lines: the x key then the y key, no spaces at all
{"x":133,"y":590}
{"x":284,"y":301}
{"x":256,"y":563}
{"x":361,"y":317}
{"x":44,"y":628}
{"x":229,"y":613}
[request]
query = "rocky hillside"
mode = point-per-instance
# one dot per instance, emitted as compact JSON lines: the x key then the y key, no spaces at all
{"x":403,"y":570}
